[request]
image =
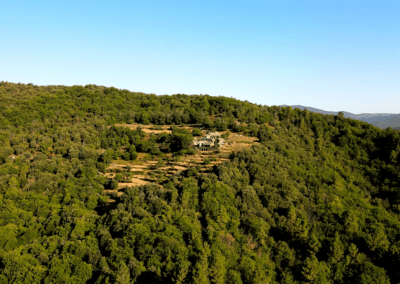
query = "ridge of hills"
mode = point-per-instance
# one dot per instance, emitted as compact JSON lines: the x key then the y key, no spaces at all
{"x":381,"y":120}
{"x":312,"y":198}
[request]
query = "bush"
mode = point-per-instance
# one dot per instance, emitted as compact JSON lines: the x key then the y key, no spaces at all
{"x":127,"y":156}
{"x":154,"y":150}
{"x":196,"y":132}
{"x":226,"y":134}
{"x":114,"y":184}
{"x":192,"y":172}
{"x":133,"y":156}
{"x":160,"y":163}
{"x":118,"y":177}
{"x":190,"y":151}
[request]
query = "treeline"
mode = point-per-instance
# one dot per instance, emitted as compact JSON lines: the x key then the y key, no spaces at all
{"x":316,"y":202}
{"x":24,"y":104}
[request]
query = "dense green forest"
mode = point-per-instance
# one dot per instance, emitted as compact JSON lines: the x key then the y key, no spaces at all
{"x":316,"y":202}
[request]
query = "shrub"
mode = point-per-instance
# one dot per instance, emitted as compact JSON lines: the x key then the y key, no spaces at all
{"x":133,"y":156}
{"x":196,"y":132}
{"x":127,"y":156}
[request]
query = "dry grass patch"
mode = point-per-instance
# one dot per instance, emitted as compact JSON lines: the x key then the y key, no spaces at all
{"x":156,"y":129}
{"x":146,"y":171}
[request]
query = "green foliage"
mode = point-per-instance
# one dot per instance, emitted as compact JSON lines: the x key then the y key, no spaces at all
{"x":226,"y":134}
{"x":196,"y":132}
{"x":316,"y":202}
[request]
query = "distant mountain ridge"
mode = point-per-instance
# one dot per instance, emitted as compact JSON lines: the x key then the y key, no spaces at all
{"x":381,"y":120}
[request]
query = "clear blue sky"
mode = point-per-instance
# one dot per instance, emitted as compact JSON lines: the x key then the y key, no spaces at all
{"x":334,"y":55}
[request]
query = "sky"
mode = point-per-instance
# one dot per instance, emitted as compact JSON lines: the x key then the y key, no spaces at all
{"x":333,"y":55}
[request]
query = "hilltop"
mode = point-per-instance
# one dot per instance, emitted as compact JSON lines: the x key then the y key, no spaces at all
{"x":381,"y":120}
{"x":101,"y":185}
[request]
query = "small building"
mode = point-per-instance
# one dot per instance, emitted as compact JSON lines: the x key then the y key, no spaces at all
{"x":213,"y":135}
{"x":206,"y":144}
{"x":211,"y":141}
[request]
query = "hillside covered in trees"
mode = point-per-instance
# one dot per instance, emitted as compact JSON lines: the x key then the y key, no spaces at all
{"x":317,"y":201}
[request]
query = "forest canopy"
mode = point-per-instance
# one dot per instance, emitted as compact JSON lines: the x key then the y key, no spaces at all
{"x":317,"y":201}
